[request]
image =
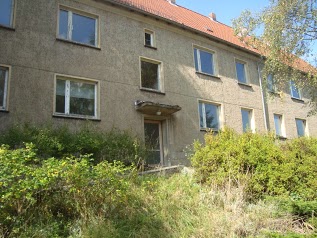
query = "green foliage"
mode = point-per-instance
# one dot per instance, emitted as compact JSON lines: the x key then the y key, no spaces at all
{"x":284,"y":33}
{"x":265,"y":166}
{"x":61,"y":142}
{"x":56,"y":190}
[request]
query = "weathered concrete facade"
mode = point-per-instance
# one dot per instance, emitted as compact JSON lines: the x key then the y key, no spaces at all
{"x":35,"y":57}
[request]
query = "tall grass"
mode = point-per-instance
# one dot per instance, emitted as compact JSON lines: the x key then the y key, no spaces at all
{"x":179,"y":207}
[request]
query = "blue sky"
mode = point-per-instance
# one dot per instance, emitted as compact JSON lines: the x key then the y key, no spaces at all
{"x":225,"y":10}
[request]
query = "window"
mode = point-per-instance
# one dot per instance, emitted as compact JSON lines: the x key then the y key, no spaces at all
{"x":241,"y":72}
{"x":295,"y":92}
{"x":279,"y":125}
{"x":204,"y":61}
{"x":4,"y":74}
{"x":6,"y":12}
{"x":270,"y":83}
{"x":150,"y":75}
{"x":247,"y":120}
{"x":77,"y":27}
{"x":76,"y":97}
{"x":209,"y":116}
{"x":301,"y":127}
{"x":149,"y":38}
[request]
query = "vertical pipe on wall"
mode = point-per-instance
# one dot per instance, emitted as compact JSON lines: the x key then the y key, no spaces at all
{"x":264,"y":101}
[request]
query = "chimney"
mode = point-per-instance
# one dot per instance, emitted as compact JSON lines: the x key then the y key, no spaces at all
{"x":172,"y":1}
{"x":212,"y":16}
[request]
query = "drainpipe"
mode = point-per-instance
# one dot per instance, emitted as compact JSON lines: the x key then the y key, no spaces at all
{"x":264,"y":101}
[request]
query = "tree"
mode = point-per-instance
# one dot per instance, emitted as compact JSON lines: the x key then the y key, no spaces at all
{"x":284,"y":33}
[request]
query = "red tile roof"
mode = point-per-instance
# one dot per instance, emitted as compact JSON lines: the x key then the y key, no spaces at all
{"x":195,"y":21}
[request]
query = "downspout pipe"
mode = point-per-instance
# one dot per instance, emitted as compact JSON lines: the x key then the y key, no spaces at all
{"x":264,"y":101}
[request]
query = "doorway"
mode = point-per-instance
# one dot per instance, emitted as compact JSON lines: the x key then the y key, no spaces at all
{"x":153,"y":141}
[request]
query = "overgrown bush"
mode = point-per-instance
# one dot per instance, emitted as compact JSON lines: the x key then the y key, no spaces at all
{"x":60,"y":142}
{"x":57,"y":191}
{"x":259,"y":161}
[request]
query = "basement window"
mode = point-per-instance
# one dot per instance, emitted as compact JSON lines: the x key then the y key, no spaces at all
{"x":76,"y":97}
{"x":78,"y":27}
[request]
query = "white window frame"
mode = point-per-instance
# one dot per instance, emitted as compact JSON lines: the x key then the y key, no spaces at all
{"x":246,"y":74}
{"x":70,"y":25}
{"x":219,"y":112}
{"x":68,"y":79}
{"x":274,"y":89}
{"x":7,"y":68}
{"x":306,"y":132}
{"x":296,"y":88}
{"x":252,"y":119}
{"x":209,"y":51}
{"x":281,"y":124}
{"x":12,"y":17}
{"x":152,"y":34}
{"x":159,"y":74}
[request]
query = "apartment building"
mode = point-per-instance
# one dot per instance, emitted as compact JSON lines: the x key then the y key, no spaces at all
{"x":151,"y":66}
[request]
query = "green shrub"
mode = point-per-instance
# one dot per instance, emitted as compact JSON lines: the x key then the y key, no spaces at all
{"x":60,"y":142}
{"x":56,"y":190}
{"x":265,"y":166}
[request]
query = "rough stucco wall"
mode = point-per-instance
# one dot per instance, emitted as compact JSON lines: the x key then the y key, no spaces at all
{"x":36,"y":56}
{"x":291,"y":109}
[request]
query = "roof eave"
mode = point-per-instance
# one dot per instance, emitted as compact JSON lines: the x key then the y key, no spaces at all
{"x":114,"y":2}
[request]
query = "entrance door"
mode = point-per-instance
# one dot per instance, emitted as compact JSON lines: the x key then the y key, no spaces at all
{"x":153,"y":140}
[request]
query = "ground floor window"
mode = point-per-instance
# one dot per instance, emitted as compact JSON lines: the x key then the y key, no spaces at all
{"x":279,"y":125}
{"x":301,"y":127}
{"x":4,"y":74}
{"x":209,"y":116}
{"x":247,"y":119}
{"x":76,"y":97}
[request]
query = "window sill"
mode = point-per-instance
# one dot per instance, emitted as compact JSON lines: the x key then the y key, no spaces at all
{"x":245,"y":84}
{"x":150,"y":47}
{"x":274,"y":93}
{"x":297,"y":99}
{"x":4,"y":111}
{"x":78,"y":43}
{"x":76,"y":117}
{"x":152,"y":91}
{"x":210,"y":75}
{"x":10,"y":28}
{"x":281,"y":137}
{"x":209,"y":130}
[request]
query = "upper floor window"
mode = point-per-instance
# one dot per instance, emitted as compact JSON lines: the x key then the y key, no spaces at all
{"x":151,"y":75}
{"x":247,"y":120}
{"x":78,"y":27}
{"x":4,"y":74}
{"x":209,"y":116}
{"x":149,"y":38}
{"x":6,"y":12}
{"x":270,"y":83}
{"x":76,"y":97}
{"x":204,"y":61}
{"x":241,"y":72}
{"x":295,"y":92}
{"x":301,"y":127}
{"x":279,"y":125}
